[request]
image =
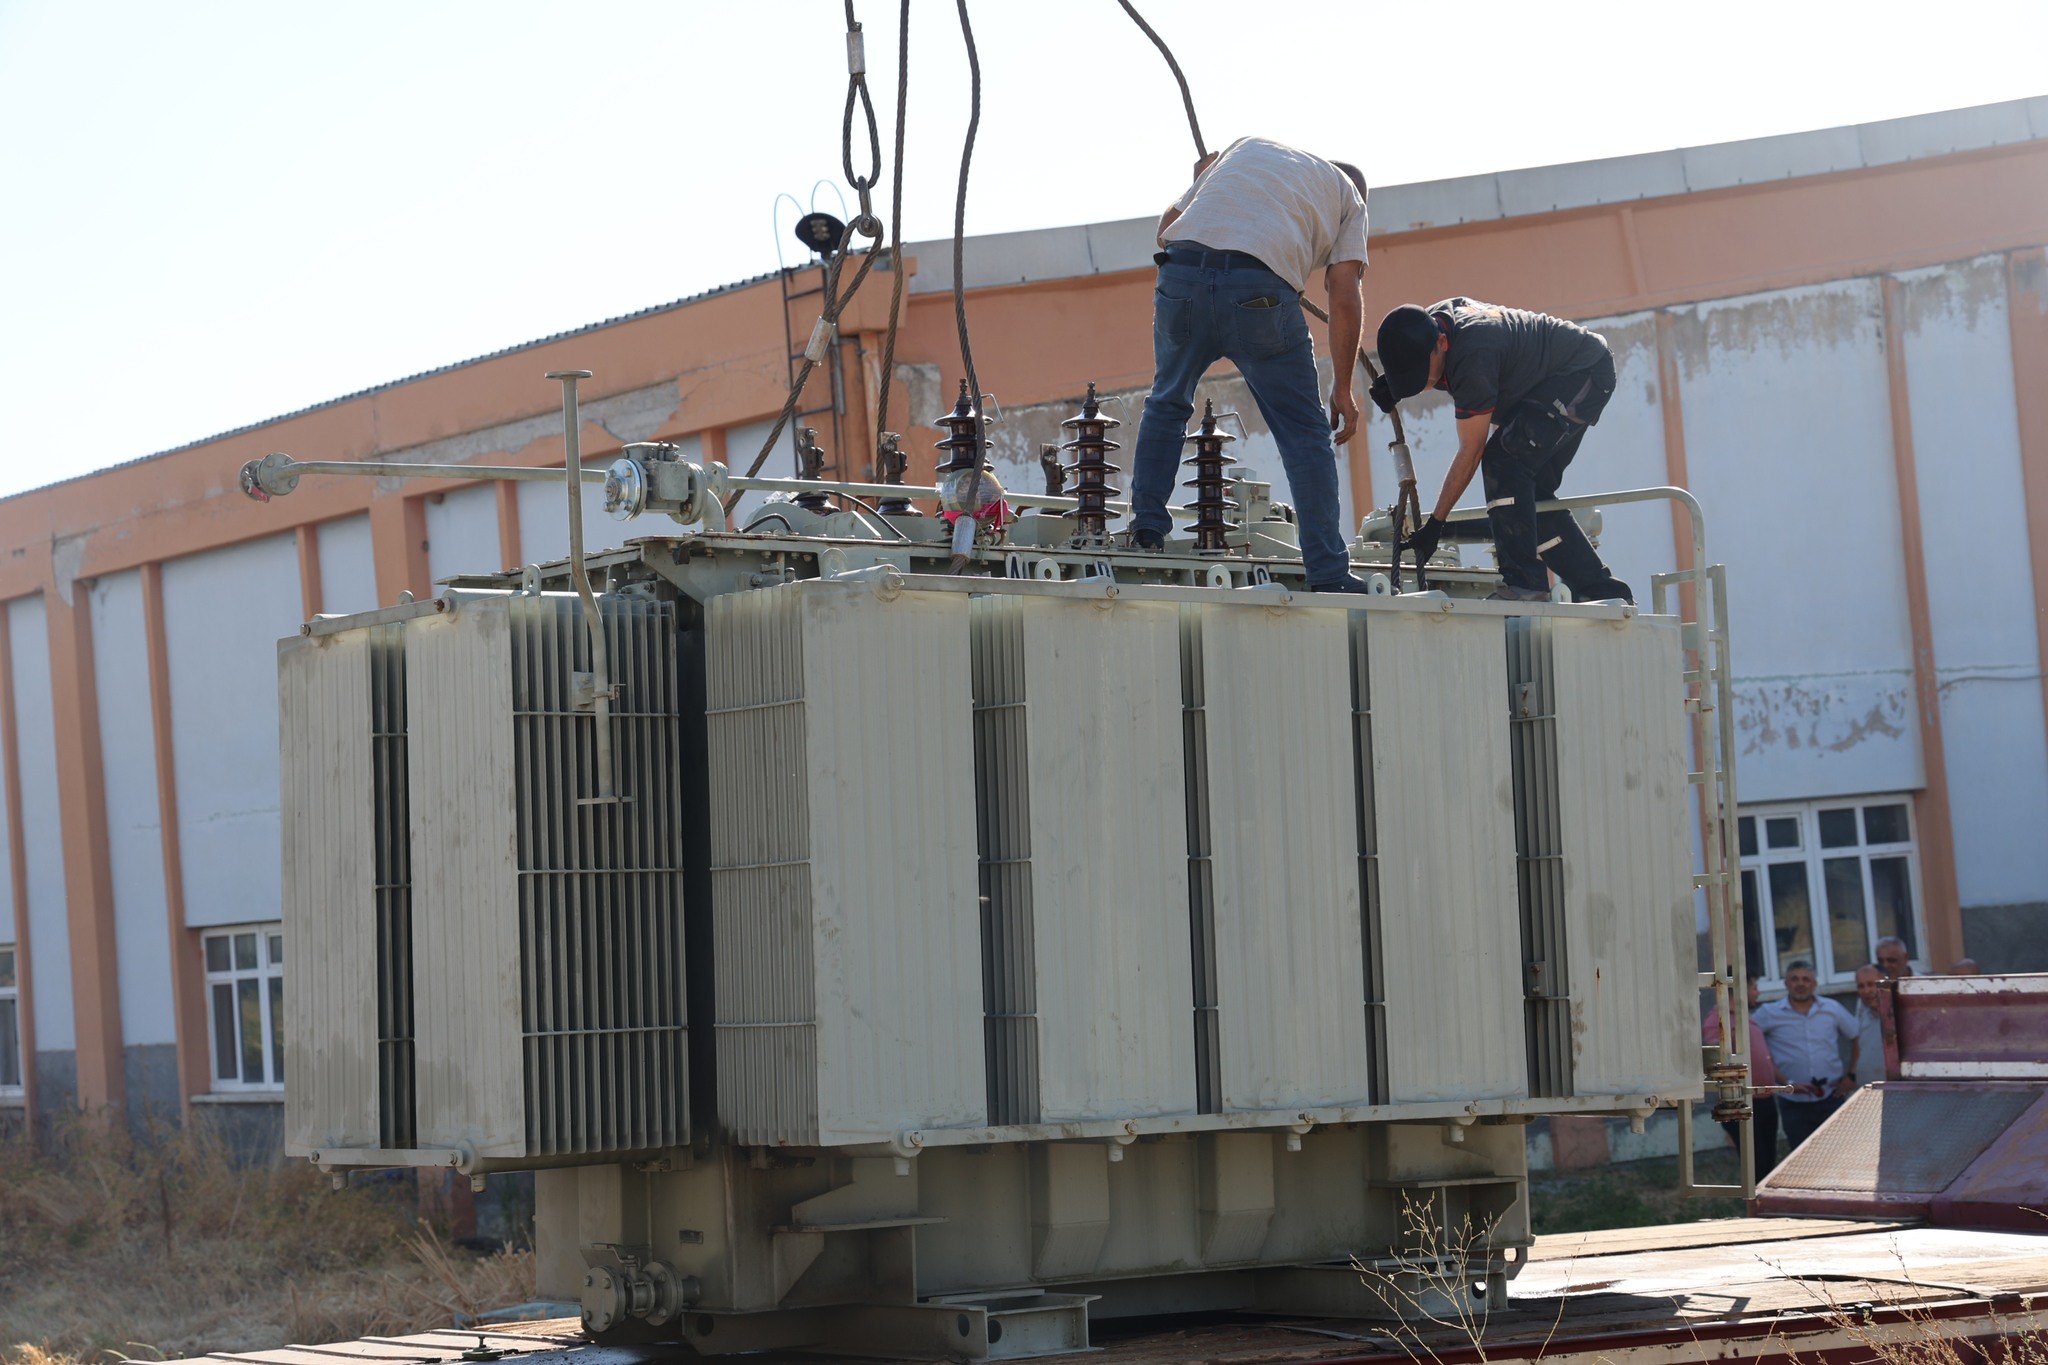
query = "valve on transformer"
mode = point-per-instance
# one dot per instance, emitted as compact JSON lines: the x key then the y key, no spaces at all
{"x":891,"y":464}
{"x":1091,"y":470}
{"x":1211,"y":502}
{"x":1055,"y":477}
{"x":810,"y":464}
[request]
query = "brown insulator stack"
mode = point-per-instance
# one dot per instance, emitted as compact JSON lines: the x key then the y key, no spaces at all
{"x":810,"y":464}
{"x":892,"y":463}
{"x":1209,"y":484}
{"x":963,"y":444}
{"x":1091,"y":469}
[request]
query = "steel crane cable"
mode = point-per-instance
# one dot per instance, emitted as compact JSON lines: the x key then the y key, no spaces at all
{"x":864,"y":222}
{"x":959,"y":237}
{"x":895,"y":240}
{"x":1194,"y":125}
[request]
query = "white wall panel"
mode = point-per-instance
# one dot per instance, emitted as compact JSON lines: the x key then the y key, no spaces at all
{"x":1788,"y":445}
{"x":134,"y":830}
{"x":1625,"y":449}
{"x":49,"y":931}
{"x":462,"y":532}
{"x":348,"y":566}
{"x":544,"y":522}
{"x":1966,"y":449}
{"x":224,"y":612}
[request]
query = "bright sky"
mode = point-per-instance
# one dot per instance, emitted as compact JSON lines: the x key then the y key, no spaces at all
{"x":218,"y":212}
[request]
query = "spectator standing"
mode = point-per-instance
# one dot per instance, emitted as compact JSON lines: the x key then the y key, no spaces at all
{"x":1763,"y":1123}
{"x":1867,"y":1057}
{"x":1805,"y":1032}
{"x":1894,"y":959}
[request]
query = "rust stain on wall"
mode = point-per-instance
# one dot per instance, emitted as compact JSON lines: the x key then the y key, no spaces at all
{"x":1789,"y":322}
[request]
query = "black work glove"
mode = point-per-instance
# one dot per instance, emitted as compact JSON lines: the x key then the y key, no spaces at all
{"x":1382,"y":395}
{"x":1425,"y":540}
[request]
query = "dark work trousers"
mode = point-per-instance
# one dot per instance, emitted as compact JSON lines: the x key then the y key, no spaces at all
{"x":1801,"y":1117}
{"x":1763,"y":1132}
{"x":1524,"y":463}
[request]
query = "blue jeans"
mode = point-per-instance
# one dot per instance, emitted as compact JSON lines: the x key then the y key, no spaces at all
{"x":1201,"y":316}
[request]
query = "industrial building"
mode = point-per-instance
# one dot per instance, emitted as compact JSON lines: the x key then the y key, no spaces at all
{"x":1837,"y":340}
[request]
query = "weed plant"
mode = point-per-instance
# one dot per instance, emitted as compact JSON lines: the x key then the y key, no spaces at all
{"x":155,"y":1247}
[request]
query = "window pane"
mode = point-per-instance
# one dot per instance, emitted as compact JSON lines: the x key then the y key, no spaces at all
{"x":10,"y":1044}
{"x":277,"y":950}
{"x":245,"y":952}
{"x":1846,"y":925}
{"x":277,"y":1029}
{"x":1753,"y":926}
{"x":1885,"y":825}
{"x":1838,"y":829}
{"x":1745,"y":830}
{"x":1782,"y":831}
{"x":217,"y":954}
{"x":1892,"y":889}
{"x":250,"y":1003}
{"x":224,"y":1050}
{"x":1791,"y":913}
{"x":6,"y":967}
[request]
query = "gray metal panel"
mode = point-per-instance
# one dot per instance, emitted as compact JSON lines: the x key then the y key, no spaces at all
{"x":1449,"y":924}
{"x":843,"y":863}
{"x":1289,"y":963}
{"x":1621,"y":776}
{"x":1003,"y":839}
{"x":1109,"y":862}
{"x":467,"y":1040}
{"x":325,"y":772}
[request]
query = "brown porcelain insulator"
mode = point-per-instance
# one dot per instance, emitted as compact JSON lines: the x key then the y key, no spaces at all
{"x":1211,"y":499}
{"x":1091,"y":469}
{"x":810,"y":464}
{"x":892,"y":463}
{"x":963,"y":445}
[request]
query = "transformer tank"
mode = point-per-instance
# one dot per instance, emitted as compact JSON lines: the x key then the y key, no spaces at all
{"x":958,"y":956}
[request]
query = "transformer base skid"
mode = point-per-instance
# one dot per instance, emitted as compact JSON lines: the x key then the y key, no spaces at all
{"x":1008,"y":1250}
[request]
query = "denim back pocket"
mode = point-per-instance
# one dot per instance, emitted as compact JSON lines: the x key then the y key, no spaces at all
{"x":1267,"y":329}
{"x":1170,"y":318}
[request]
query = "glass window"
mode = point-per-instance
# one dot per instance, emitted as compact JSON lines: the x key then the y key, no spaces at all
{"x":1829,"y":882}
{"x":1838,"y":828}
{"x":245,"y":995}
{"x":1753,"y":929}
{"x":10,"y":1026}
{"x":1885,"y":824}
{"x":1791,"y":912}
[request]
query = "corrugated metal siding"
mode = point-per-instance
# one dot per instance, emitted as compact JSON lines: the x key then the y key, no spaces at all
{"x":1374,"y":964}
{"x":1289,"y":961}
{"x":1621,"y":771}
{"x":599,"y":884}
{"x":849,"y":1002}
{"x":391,"y":821}
{"x":1109,"y":862}
{"x":468,"y":1061}
{"x":1003,"y":841}
{"x":331,"y":1030}
{"x":1539,"y":853}
{"x":764,"y":928}
{"x":1201,"y":864}
{"x":1449,"y":925}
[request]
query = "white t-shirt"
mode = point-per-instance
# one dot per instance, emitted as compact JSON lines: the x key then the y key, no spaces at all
{"x":1296,"y":212}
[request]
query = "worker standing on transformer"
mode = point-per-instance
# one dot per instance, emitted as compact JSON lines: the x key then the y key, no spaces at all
{"x":1236,"y":250}
{"x":1525,"y":386}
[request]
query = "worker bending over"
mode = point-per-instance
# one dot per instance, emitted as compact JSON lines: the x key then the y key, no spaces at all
{"x":1525,"y":387}
{"x":1236,"y":250}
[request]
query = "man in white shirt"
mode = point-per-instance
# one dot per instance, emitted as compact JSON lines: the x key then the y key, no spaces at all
{"x":1806,"y":1032}
{"x":1236,"y":251}
{"x":1867,"y":1057}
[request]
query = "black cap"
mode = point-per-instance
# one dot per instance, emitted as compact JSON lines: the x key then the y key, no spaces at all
{"x":1407,"y":336}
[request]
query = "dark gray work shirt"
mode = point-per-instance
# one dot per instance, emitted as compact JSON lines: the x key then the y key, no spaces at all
{"x":1499,"y":355}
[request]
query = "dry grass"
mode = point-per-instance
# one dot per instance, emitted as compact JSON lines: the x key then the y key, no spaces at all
{"x":113,"y":1249}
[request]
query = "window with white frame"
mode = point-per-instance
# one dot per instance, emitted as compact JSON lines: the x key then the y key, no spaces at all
{"x":10,"y":1025}
{"x":245,"y":1002}
{"x":1823,"y":881}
